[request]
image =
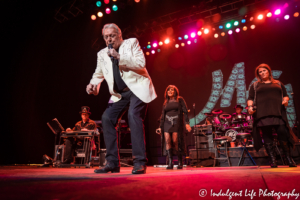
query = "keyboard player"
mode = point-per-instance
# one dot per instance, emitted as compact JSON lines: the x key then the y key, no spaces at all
{"x":73,"y":143}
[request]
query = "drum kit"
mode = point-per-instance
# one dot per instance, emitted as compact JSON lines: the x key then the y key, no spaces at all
{"x":230,"y":125}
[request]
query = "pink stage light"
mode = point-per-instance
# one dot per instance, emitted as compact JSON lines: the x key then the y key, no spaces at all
{"x":106,"y":1}
{"x":286,"y":17}
{"x":154,"y":44}
{"x":230,"y":32}
{"x":193,"y":35}
{"x":188,"y":42}
{"x":237,"y":30}
{"x":153,"y":52}
{"x":277,"y":12}
{"x":107,"y":11}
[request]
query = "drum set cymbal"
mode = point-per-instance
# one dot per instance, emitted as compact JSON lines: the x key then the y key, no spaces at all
{"x":225,"y":116}
{"x":209,"y":114}
{"x":217,"y":111}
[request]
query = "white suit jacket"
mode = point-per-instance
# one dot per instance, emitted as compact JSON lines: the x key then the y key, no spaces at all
{"x":135,"y":76}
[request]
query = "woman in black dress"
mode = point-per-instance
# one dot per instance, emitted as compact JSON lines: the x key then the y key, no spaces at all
{"x":267,"y":101}
{"x":173,"y":121}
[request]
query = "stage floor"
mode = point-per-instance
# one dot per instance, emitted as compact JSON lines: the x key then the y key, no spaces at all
{"x":31,"y":182}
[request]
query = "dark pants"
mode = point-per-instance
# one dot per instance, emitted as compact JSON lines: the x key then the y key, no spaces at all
{"x":281,"y":131}
{"x":136,"y":113}
{"x":71,"y":145}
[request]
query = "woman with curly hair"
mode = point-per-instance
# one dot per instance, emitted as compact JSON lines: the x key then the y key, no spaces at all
{"x":174,"y":119}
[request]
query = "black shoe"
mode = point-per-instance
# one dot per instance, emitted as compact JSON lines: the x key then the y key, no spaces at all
{"x":170,"y":156}
{"x":179,"y":160}
{"x":67,"y":161}
{"x":270,"y":150}
{"x":108,"y":168}
{"x":286,"y":150}
{"x":139,"y":170}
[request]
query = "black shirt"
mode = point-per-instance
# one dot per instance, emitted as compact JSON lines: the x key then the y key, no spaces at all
{"x":268,"y":99}
{"x":119,"y":84}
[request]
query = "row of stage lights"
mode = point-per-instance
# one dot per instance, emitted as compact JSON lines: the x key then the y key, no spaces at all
{"x":229,"y":26}
{"x":107,"y":10}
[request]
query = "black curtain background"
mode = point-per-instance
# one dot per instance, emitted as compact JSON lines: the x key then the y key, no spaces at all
{"x":48,"y":65}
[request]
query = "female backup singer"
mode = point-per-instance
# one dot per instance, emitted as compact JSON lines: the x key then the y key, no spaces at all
{"x":173,"y":120}
{"x":269,"y":97}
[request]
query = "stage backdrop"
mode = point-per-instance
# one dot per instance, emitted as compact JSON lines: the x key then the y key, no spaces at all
{"x":53,"y":67}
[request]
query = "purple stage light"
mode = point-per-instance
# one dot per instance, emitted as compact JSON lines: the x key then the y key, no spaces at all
{"x":286,"y":17}
{"x":237,"y":30}
{"x":193,"y":35}
{"x":230,"y":32}
{"x":154,"y":44}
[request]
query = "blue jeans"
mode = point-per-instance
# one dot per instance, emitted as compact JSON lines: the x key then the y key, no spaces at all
{"x":136,"y":113}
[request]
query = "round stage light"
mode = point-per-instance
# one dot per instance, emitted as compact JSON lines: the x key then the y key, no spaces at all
{"x":236,"y":23}
{"x":237,"y":30}
{"x":137,"y":1}
{"x":228,"y":25}
{"x":286,"y":17}
{"x":199,"y":33}
{"x":179,"y":38}
{"x":93,"y":17}
{"x":106,"y":1}
{"x":115,"y":7}
{"x":176,"y":45}
{"x":296,"y":14}
{"x":153,"y":52}
{"x":195,"y":40}
{"x":148,"y":46}
{"x":188,"y":42}
{"x":260,"y":17}
{"x":220,"y":27}
{"x":252,"y":26}
{"x":243,"y":21}
{"x":114,"y":0}
{"x":223,"y":34}
{"x":107,"y":10}
{"x":160,"y":43}
{"x":147,"y":53}
{"x":269,"y":14}
{"x":206,"y":31}
{"x":158,"y":50}
{"x":277,"y":12}
{"x":100,"y":14}
{"x":182,"y":44}
{"x":193,"y":35}
{"x":244,"y":28}
{"x":98,"y":3}
{"x":186,"y":36}
{"x":149,"y":42}
{"x":251,"y":19}
{"x":154,"y":44}
{"x":230,"y":32}
{"x":167,"y":41}
{"x":216,"y":35}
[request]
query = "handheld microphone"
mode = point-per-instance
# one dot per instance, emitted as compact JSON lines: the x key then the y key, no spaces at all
{"x":110,"y":47}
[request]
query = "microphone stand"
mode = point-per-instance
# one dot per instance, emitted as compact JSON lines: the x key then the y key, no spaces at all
{"x":196,"y":136}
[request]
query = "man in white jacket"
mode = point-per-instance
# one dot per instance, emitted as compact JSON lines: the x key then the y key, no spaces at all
{"x":122,"y":64}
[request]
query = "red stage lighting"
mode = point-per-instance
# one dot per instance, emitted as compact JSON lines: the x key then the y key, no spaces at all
{"x":206,"y":31}
{"x":260,"y":17}
{"x":93,"y":17}
{"x":167,"y":41}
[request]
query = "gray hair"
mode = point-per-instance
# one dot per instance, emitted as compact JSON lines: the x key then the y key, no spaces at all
{"x":112,"y":25}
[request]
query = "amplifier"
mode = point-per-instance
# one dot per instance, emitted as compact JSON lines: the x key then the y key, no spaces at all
{"x":204,"y":141}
